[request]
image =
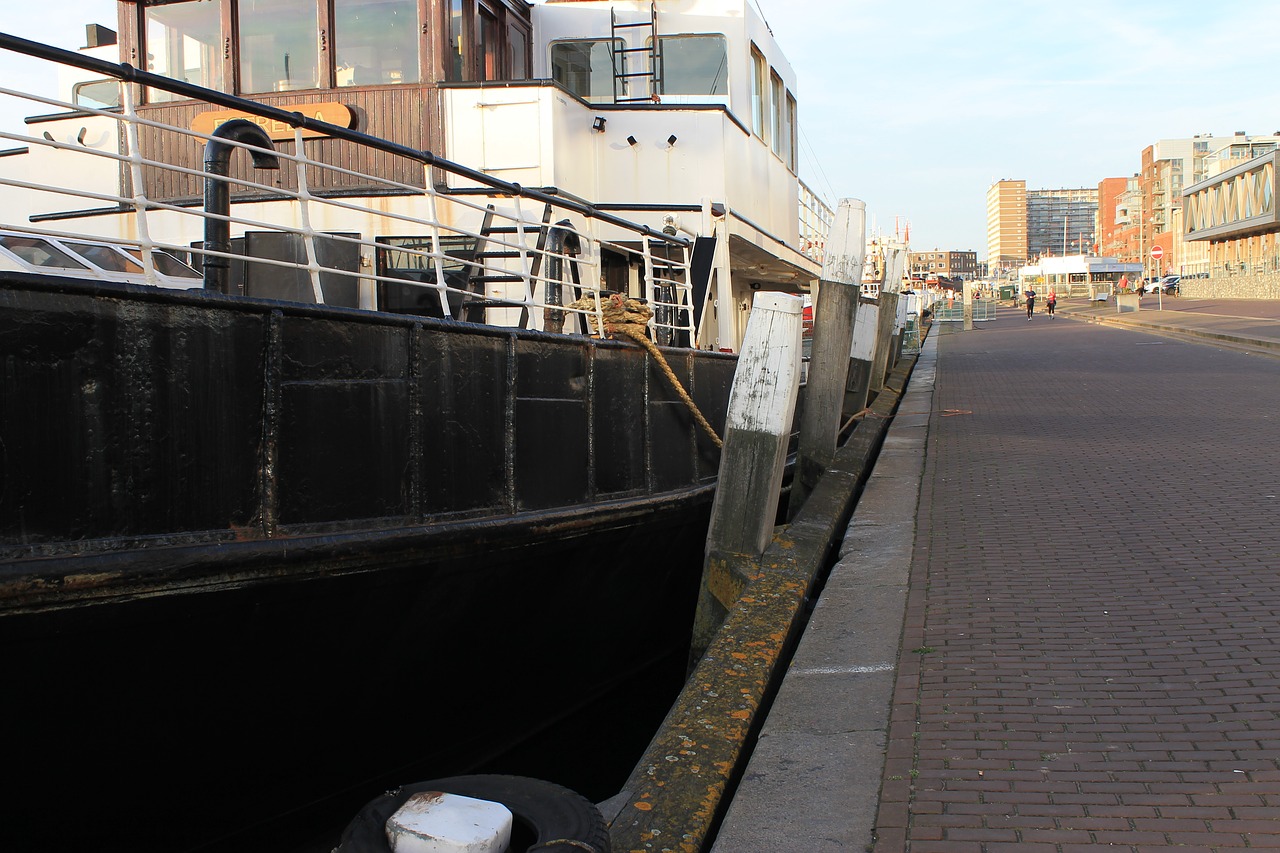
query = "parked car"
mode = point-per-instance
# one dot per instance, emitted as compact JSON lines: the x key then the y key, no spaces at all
{"x":1167,"y":285}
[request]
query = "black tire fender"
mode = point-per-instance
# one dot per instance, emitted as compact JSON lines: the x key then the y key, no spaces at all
{"x":561,"y":820}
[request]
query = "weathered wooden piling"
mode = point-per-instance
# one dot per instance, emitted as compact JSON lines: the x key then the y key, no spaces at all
{"x":862,"y":355}
{"x":757,"y":429}
{"x":894,"y":261}
{"x":834,"y":315}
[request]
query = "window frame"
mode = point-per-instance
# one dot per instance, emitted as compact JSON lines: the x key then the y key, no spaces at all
{"x":617,"y":60}
{"x":777,"y":103}
{"x":792,"y":157}
{"x":434,"y":48}
{"x":665,"y":39}
{"x":759,"y":94}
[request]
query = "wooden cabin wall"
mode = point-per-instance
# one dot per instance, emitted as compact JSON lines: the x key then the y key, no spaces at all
{"x":400,"y":114}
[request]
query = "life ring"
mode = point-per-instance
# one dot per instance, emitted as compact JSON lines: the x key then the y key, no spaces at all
{"x":559,"y":820}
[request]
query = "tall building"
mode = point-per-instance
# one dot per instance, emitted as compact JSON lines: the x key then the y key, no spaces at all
{"x":1061,"y":222}
{"x":1025,"y":224}
{"x":1006,"y":225}
{"x":1111,"y":225}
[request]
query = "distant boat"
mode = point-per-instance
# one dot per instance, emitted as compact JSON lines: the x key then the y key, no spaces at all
{"x":336,"y":488}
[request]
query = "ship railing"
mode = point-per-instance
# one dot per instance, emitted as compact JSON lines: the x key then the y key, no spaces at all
{"x":496,"y":253}
{"x":816,"y":217}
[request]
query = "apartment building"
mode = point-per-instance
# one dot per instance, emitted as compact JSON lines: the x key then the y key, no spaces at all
{"x":1148,"y":211}
{"x":1026,"y":224}
{"x":1006,"y":225}
{"x":1061,"y":222}
{"x":1109,"y":230}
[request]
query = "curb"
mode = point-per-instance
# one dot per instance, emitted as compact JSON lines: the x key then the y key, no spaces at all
{"x":1267,"y":346}
{"x":684,"y":782}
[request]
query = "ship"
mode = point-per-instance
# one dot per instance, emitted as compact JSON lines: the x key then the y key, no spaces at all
{"x":363,"y":370}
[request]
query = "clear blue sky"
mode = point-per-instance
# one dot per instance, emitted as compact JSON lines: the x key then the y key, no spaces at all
{"x":917,"y":106}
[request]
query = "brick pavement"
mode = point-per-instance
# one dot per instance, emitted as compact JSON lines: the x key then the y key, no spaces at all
{"x":1091,"y":650}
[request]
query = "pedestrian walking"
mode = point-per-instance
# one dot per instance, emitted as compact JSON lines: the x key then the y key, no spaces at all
{"x":1051,"y":302}
{"x":1031,"y":303}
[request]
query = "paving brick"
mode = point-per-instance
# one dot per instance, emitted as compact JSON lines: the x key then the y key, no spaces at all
{"x":1097,"y":554}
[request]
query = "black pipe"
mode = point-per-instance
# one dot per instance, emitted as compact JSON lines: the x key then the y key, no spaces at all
{"x":217,"y":193}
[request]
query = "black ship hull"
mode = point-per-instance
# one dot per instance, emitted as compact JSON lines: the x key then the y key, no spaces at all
{"x":260,"y":561}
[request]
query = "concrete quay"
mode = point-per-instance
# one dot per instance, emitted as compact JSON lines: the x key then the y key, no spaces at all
{"x":1055,"y":621}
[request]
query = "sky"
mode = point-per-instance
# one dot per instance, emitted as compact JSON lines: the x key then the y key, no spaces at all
{"x":918,"y":106}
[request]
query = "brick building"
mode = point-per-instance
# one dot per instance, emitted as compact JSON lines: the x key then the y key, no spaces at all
{"x":958,"y":265}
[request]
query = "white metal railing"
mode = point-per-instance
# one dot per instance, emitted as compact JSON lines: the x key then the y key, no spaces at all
{"x":816,"y":217}
{"x":502,"y":255}
{"x":952,"y":310}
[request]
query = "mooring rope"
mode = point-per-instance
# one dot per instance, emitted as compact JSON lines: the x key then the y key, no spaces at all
{"x":630,"y":317}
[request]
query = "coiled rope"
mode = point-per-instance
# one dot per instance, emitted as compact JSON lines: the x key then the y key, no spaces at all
{"x":630,"y":318}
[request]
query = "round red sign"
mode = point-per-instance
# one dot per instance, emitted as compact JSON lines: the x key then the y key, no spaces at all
{"x":1157,"y":252}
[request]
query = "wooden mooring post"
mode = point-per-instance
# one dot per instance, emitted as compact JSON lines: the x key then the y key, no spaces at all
{"x":757,"y":428}
{"x":834,"y":314}
{"x":895,"y":260}
{"x":862,"y":355}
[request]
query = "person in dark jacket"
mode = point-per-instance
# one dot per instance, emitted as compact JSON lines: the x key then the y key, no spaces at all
{"x":1031,"y":303}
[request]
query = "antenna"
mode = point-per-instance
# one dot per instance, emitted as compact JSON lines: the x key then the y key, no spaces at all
{"x":756,"y":3}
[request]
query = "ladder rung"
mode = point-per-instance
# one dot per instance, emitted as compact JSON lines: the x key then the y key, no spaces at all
{"x":497,"y":278}
{"x":628,"y":26}
{"x":636,"y":74}
{"x":502,"y":229}
{"x":633,"y":50}
{"x":632,"y":100}
{"x":503,"y":254}
{"x":490,"y":303}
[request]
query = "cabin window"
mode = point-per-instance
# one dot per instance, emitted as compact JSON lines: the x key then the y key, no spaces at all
{"x":375,"y":42}
{"x":487,"y":41}
{"x":404,"y":255}
{"x":105,"y":257}
{"x":456,"y":62}
{"x":287,"y":45}
{"x":790,"y":149}
{"x":97,"y":94}
{"x":183,"y":41}
{"x":39,"y":253}
{"x":490,"y":47}
{"x":278,"y":45}
{"x":518,"y":43}
{"x":777,"y":114}
{"x":585,"y":68}
{"x":693,"y":65}
{"x":166,"y":263}
{"x":757,"y":92}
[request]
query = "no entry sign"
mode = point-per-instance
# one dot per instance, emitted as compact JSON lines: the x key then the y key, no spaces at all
{"x":1157,"y":253}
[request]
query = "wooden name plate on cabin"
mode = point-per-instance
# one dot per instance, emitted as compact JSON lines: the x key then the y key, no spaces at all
{"x":329,"y":111}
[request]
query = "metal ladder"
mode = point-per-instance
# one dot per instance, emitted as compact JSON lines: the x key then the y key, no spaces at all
{"x":475,"y":302}
{"x":621,"y":77}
